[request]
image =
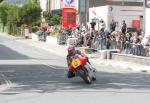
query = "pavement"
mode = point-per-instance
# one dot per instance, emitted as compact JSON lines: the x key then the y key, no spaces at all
{"x":122,"y":64}
{"x":94,"y":58}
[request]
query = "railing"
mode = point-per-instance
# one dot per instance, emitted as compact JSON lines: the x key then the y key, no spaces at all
{"x":126,"y":48}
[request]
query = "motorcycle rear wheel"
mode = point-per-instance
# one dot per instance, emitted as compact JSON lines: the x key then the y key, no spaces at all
{"x":85,"y":76}
{"x":88,"y":80}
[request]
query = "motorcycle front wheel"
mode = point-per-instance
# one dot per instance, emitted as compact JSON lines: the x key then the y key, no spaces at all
{"x":85,"y":76}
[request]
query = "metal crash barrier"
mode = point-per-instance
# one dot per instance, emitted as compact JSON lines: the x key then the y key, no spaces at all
{"x":72,"y":41}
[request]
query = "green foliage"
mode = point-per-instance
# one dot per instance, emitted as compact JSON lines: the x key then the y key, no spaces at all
{"x":15,"y":16}
{"x":30,"y":12}
{"x":53,"y":20}
{"x":35,"y":29}
{"x":13,"y":19}
{"x":13,"y":13}
{"x":37,"y":23}
{"x":45,"y":14}
{"x":4,"y":7}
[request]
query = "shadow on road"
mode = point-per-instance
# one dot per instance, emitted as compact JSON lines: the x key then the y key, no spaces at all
{"x":47,"y":79}
{"x":9,"y":54}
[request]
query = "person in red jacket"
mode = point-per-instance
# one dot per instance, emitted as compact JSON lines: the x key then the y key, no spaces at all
{"x":71,"y":53}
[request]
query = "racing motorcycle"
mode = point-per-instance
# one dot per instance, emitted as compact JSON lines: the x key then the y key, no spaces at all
{"x":82,"y":68}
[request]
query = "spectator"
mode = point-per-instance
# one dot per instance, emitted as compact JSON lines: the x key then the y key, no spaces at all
{"x":102,"y":24}
{"x":113,"y":40}
{"x":135,"y":41}
{"x":108,"y":42}
{"x":93,"y":24}
{"x":128,"y":43}
{"x":145,"y":43}
{"x":123,"y":27}
{"x":122,"y":41}
{"x":69,"y":31}
{"x":96,"y":42}
{"x":146,"y":40}
{"x":118,"y":40}
{"x":107,"y":33}
{"x":90,"y":38}
{"x":112,"y":26}
{"x":117,"y":28}
{"x":102,"y":39}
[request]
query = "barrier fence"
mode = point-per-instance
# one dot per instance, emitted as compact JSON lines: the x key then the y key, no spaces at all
{"x":103,"y":44}
{"x":124,"y":47}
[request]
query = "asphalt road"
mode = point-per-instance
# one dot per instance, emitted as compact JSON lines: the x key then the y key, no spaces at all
{"x":38,"y":76}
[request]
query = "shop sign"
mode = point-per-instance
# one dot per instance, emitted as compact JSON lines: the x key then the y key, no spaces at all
{"x":69,"y":3}
{"x":136,"y":24}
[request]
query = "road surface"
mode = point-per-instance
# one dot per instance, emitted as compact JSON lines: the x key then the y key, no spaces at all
{"x":38,"y":76}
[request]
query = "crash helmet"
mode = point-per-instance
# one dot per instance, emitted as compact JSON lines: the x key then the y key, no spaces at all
{"x":71,"y":49}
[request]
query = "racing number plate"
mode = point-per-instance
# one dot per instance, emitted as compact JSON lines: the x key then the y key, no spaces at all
{"x":76,"y":63}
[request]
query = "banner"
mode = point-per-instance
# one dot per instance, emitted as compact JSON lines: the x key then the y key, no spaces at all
{"x":136,"y":24}
{"x":69,"y":3}
{"x":68,"y":17}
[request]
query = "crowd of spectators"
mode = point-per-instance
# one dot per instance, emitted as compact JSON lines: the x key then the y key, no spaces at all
{"x":116,"y":38}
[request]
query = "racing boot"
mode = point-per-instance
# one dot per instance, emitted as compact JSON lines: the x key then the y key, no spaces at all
{"x":70,"y":74}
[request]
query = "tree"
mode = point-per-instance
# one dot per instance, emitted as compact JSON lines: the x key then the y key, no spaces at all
{"x":4,"y":7}
{"x":30,"y":12}
{"x":15,"y":14}
{"x":13,"y":19}
{"x":1,"y":0}
{"x":52,"y":19}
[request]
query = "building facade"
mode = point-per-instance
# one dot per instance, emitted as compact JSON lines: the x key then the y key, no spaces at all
{"x":52,"y":5}
{"x":119,"y":10}
{"x":83,"y":6}
{"x":147,"y":20}
{"x":97,"y":3}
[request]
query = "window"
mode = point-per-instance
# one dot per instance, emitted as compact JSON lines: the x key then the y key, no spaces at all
{"x":71,"y":17}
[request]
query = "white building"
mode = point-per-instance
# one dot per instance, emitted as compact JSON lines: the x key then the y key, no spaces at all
{"x":147,"y":18}
{"x":43,"y":4}
{"x":118,"y":14}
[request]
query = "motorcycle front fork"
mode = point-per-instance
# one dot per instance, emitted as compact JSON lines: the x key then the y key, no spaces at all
{"x":90,"y":70}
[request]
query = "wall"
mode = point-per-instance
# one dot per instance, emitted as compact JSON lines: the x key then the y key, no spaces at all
{"x":147,"y":23}
{"x":83,"y":11}
{"x":100,"y":13}
{"x":130,"y":58}
{"x":127,"y":13}
{"x":43,"y":4}
{"x":118,"y":13}
{"x":55,"y":4}
{"x":97,"y":3}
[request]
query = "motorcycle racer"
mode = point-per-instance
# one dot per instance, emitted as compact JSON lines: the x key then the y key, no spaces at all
{"x":71,"y":53}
